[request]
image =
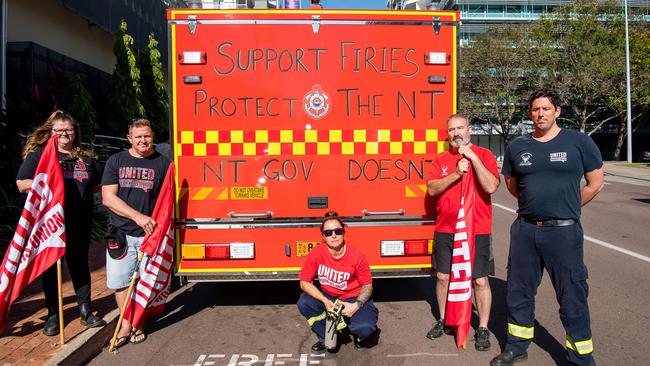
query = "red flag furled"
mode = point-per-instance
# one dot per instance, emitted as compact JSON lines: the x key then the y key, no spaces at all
{"x":152,"y":289}
{"x":39,"y":240}
{"x":459,"y":296}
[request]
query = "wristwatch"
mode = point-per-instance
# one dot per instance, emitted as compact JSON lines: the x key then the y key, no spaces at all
{"x":359,"y":303}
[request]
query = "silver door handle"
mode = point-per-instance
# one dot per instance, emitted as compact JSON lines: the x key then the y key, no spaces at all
{"x":375,"y":213}
{"x":234,"y":214}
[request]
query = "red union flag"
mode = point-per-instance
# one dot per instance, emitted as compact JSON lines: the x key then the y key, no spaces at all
{"x":152,"y":289}
{"x":39,"y":240}
{"x":459,"y":296}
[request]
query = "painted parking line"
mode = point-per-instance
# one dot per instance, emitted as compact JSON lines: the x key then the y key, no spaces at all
{"x":595,"y":241}
{"x":423,"y":354}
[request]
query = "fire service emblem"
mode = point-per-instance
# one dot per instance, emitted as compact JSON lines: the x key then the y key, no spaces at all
{"x":316,"y":103}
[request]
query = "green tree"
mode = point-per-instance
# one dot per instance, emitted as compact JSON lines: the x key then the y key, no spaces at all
{"x":496,"y":71}
{"x":154,"y":94}
{"x":581,"y":50}
{"x":82,"y":108}
{"x":124,"y":84}
{"x":640,"y":85}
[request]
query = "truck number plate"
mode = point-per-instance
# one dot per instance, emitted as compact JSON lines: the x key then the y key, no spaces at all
{"x":303,"y":247}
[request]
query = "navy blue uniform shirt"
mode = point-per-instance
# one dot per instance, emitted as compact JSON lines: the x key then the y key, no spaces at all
{"x":548,"y":173}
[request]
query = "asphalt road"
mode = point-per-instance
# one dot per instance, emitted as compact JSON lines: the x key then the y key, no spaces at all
{"x":258,"y":323}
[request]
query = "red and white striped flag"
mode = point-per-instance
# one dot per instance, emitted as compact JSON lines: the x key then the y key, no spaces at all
{"x":152,"y":289}
{"x":39,"y":240}
{"x":459,"y":297}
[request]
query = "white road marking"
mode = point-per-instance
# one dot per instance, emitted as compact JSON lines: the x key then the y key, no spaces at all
{"x":595,"y":241}
{"x":424,"y":354}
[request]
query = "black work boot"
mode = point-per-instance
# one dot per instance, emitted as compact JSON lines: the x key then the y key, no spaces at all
{"x":51,"y":327}
{"x":507,"y":358}
{"x":87,"y":317}
{"x":318,"y":347}
{"x":360,"y":344}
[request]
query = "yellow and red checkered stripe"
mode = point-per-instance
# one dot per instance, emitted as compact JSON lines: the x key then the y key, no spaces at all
{"x":308,"y":142}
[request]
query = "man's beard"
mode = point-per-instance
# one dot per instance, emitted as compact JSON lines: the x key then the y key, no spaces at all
{"x":459,"y":142}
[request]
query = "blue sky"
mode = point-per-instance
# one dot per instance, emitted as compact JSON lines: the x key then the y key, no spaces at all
{"x":348,"y":4}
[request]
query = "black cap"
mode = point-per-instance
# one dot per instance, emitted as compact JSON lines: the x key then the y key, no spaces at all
{"x":115,"y":242}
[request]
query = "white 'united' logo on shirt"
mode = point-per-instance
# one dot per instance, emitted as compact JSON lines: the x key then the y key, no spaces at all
{"x":558,"y":156}
{"x":332,"y":277}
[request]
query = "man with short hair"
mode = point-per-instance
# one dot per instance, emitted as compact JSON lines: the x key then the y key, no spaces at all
{"x":130,"y":186}
{"x":445,"y":184}
{"x":543,"y":171}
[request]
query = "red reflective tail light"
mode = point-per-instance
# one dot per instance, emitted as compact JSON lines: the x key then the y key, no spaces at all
{"x":217,"y":251}
{"x":416,"y":247}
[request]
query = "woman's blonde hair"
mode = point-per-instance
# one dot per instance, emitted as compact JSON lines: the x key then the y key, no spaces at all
{"x":39,"y":137}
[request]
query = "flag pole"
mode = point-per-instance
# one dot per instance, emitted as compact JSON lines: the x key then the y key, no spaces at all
{"x":463,"y":183}
{"x":111,"y":348}
{"x":60,"y":290}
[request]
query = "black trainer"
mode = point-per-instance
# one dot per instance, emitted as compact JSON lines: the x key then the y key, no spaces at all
{"x":437,"y":329}
{"x":318,"y":347}
{"x":482,"y":339}
{"x":507,"y":358}
{"x":51,"y":327}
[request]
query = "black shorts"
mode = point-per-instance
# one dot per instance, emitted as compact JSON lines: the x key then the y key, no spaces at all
{"x":483,"y":257}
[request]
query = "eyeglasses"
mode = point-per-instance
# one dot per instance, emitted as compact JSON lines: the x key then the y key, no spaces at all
{"x":338,"y":231}
{"x":63,"y":131}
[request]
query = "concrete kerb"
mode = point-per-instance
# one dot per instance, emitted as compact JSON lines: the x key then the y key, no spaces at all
{"x":92,"y":341}
{"x":87,"y":344}
{"x":619,"y":172}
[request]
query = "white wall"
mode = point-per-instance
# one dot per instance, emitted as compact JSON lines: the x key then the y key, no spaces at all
{"x":49,"y":24}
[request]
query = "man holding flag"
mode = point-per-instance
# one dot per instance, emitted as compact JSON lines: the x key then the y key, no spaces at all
{"x":469,"y":173}
{"x":131,"y":184}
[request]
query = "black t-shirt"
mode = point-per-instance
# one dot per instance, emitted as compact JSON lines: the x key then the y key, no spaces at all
{"x":79,"y":178}
{"x":548,"y":173}
{"x":139,"y":181}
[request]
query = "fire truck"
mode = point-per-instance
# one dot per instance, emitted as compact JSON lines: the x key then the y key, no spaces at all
{"x":279,"y":116}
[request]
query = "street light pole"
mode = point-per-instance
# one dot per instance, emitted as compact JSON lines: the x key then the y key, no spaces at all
{"x":629,"y":97}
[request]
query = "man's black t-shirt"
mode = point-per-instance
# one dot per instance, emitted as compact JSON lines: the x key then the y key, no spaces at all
{"x":79,"y":178}
{"x":139,"y":181}
{"x":548,"y":173}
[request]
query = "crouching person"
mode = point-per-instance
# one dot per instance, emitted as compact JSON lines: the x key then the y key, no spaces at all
{"x":344,"y":274}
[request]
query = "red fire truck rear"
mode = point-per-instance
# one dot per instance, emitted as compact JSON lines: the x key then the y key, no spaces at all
{"x":279,"y":116}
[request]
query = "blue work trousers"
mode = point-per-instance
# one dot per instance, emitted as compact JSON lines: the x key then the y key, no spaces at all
{"x":558,"y":249}
{"x":362,"y":324}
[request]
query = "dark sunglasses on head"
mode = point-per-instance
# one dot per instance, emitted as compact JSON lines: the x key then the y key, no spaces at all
{"x":338,"y":231}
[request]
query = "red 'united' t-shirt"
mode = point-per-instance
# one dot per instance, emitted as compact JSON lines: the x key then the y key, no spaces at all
{"x":341,"y":278}
{"x":449,"y":201}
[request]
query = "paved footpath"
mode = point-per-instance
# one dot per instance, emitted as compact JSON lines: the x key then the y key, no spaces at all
{"x":23,"y":343}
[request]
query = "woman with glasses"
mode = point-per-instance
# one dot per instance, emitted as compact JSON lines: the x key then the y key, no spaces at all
{"x":343,"y":273}
{"x":81,"y":178}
